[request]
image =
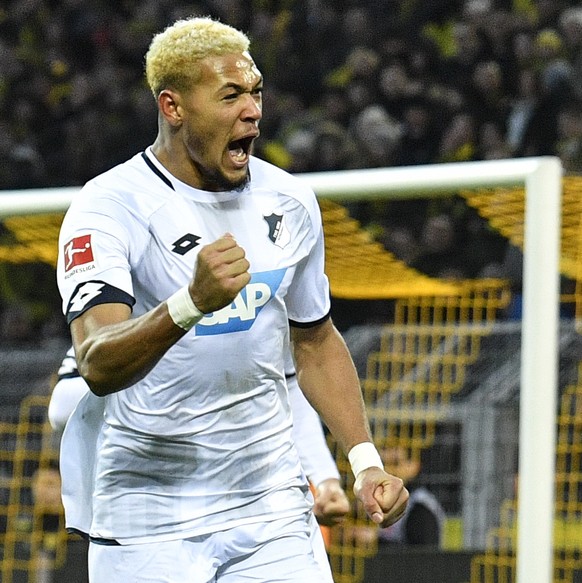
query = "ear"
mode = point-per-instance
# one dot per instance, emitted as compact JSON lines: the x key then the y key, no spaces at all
{"x":170,"y":108}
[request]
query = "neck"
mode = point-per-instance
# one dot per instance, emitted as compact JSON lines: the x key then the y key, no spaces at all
{"x":177,"y":162}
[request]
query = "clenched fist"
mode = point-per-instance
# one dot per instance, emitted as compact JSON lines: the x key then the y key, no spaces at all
{"x":384,"y":496}
{"x":222,"y":271}
{"x":331,"y":503}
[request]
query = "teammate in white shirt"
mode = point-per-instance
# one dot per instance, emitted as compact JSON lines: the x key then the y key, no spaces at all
{"x":185,"y":274}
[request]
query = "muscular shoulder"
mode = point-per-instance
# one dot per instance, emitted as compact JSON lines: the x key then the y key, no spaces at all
{"x":130,"y":186}
{"x":280,"y":183}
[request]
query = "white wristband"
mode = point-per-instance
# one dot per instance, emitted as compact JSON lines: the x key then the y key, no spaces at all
{"x":364,"y":456}
{"x":182,"y":309}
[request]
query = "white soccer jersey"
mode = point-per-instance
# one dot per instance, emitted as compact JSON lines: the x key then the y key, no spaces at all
{"x":203,"y":442}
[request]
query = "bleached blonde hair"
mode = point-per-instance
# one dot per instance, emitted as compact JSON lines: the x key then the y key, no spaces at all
{"x":174,"y":53}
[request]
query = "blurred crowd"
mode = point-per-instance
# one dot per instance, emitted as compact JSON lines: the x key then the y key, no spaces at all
{"x":349,"y":84}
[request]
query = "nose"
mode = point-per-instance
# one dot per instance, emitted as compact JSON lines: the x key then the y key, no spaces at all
{"x":253,"y":108}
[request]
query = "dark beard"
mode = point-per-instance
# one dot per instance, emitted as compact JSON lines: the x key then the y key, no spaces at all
{"x":219,"y":183}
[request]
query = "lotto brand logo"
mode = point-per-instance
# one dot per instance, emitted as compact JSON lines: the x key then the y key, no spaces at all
{"x":185,"y":243}
{"x":78,"y":251}
{"x":241,"y":314}
{"x":86,"y":292}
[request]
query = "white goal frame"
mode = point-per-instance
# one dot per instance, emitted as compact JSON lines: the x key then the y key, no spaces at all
{"x":542,"y":179}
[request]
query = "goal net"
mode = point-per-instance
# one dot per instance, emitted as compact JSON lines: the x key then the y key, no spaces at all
{"x":469,"y":397}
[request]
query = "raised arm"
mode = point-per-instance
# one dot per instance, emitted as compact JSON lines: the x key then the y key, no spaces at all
{"x":114,"y":351}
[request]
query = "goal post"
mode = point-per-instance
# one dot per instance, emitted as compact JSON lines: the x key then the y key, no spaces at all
{"x":35,"y":200}
{"x":542,"y":181}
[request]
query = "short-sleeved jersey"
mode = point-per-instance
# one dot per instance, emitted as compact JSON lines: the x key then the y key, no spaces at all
{"x":203,"y":441}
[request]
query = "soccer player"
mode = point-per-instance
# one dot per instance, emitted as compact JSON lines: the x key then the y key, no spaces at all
{"x":182,"y":271}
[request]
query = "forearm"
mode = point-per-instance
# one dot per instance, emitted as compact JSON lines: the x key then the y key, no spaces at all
{"x":330,"y":382}
{"x":113,"y":353}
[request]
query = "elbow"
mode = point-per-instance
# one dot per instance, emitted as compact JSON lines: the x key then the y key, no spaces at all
{"x":99,"y":383}
{"x":100,"y":388}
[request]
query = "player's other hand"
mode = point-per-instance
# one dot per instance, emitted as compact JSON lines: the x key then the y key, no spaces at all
{"x":222,"y":271}
{"x":384,"y":496}
{"x":331,"y":502}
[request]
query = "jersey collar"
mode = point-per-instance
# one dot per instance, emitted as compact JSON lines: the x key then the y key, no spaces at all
{"x":181,"y":187}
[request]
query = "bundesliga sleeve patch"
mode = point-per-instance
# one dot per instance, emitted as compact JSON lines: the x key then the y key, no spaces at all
{"x":93,"y":293}
{"x":78,"y":251}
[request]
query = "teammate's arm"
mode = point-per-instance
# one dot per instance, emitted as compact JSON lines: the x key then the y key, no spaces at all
{"x":65,"y":396}
{"x":114,"y":351}
{"x":328,"y":377}
{"x":331,"y":503}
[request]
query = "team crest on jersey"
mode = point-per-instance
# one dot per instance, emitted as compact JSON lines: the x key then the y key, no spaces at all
{"x":278,"y":232}
{"x":78,"y":252}
{"x":241,"y":314}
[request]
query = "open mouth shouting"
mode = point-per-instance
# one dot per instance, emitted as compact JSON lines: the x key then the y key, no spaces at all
{"x":240,"y":150}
